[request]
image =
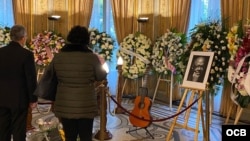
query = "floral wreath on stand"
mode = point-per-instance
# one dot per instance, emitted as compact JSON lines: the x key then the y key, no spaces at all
{"x":168,"y":52}
{"x":241,"y":96}
{"x":4,"y":36}
{"x":234,"y":38}
{"x":44,"y":45}
{"x":101,"y":43}
{"x":135,"y":50}
{"x":211,"y":36}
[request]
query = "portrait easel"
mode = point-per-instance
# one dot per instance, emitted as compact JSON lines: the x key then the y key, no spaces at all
{"x":238,"y":114}
{"x":194,"y":92}
{"x":169,"y":82}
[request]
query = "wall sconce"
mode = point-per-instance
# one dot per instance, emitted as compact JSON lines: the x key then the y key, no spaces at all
{"x":54,"y":17}
{"x":142,"y":19}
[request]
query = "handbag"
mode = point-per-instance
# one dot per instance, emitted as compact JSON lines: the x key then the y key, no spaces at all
{"x":245,"y":81}
{"x":47,"y":86}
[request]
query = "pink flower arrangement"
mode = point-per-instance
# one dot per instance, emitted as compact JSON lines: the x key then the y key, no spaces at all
{"x":243,"y":51}
{"x":44,"y":46}
{"x":242,"y":97}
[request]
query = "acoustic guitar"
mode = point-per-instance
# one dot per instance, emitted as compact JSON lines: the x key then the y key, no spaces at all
{"x":140,"y":115}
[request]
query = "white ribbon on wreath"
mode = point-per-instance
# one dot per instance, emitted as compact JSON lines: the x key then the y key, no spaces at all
{"x":128,"y":52}
{"x":135,"y":52}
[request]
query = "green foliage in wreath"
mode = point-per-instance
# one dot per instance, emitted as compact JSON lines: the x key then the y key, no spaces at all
{"x":101,"y":43}
{"x":211,"y":36}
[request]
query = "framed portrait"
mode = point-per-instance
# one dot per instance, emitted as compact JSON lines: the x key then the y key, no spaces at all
{"x":198,"y":69}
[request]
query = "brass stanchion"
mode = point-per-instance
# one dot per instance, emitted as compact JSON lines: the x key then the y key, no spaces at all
{"x":207,"y":114}
{"x":118,"y":110}
{"x":103,"y":133}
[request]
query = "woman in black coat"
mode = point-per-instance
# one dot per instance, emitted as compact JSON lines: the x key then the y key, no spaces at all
{"x":77,"y":68}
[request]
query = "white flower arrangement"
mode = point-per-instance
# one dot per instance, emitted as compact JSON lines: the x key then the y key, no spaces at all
{"x":4,"y":36}
{"x":135,"y":50}
{"x":167,"y":53}
{"x":212,"y":37}
{"x":44,"y":45}
{"x":101,"y":43}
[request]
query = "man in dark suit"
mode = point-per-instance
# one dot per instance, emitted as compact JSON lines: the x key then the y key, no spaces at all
{"x":17,"y":84}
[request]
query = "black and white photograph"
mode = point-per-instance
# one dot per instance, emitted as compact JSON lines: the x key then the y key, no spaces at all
{"x":198,"y":69}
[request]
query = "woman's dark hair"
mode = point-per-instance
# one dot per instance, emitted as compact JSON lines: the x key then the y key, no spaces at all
{"x":78,"y":35}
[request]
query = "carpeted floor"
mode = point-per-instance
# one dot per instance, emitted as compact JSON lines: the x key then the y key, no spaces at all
{"x":119,"y":124}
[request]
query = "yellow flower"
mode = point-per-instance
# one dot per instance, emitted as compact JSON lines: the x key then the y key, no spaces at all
{"x":62,"y":134}
{"x":233,"y":41}
{"x":234,"y":29}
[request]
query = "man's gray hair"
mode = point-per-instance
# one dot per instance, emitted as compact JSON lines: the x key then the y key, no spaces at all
{"x":17,"y":32}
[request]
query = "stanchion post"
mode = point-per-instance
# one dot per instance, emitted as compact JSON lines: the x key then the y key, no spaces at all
{"x":207,"y":114}
{"x":103,"y":133}
{"x":118,"y":110}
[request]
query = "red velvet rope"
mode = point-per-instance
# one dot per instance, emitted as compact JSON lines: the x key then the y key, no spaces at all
{"x":155,"y":120}
{"x":151,"y":120}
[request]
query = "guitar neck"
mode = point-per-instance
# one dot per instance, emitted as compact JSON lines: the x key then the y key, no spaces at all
{"x":145,"y":78}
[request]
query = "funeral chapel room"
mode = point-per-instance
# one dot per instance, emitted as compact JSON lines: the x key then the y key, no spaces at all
{"x":176,"y":70}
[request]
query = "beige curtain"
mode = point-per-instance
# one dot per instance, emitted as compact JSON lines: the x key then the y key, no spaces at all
{"x":79,"y":12}
{"x":173,"y":14}
{"x":162,"y":14}
{"x":232,"y":11}
{"x":125,"y":16}
{"x":22,"y":10}
{"x":180,"y":14}
{"x":33,"y":14}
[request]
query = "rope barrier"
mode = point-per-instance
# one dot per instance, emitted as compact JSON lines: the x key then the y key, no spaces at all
{"x":125,"y":110}
{"x":154,"y":120}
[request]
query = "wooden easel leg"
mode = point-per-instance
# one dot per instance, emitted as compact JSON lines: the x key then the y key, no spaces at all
{"x":123,"y":87}
{"x":156,"y":88}
{"x":187,"y":113}
{"x":175,"y":119}
{"x":198,"y":119}
{"x":211,"y":108}
{"x":238,"y":114}
{"x":203,"y":122}
{"x":229,"y":113}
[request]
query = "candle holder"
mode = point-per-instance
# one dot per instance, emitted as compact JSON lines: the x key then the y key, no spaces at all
{"x":118,"y":110}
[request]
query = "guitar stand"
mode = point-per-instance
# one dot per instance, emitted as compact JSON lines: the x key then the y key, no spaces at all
{"x":145,"y":128}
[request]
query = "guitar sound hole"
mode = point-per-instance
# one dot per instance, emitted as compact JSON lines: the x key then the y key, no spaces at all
{"x":141,"y":105}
